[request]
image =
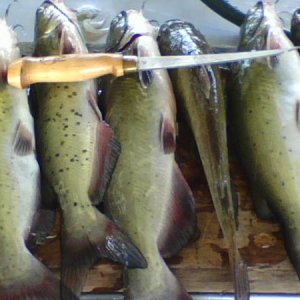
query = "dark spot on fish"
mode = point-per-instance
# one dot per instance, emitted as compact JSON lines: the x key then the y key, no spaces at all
{"x":282,"y":183}
{"x":66,"y":126}
{"x":74,"y":94}
{"x":66,"y":119}
{"x":53,"y":119}
{"x":284,"y":137}
{"x":66,"y":135}
{"x":62,"y":143}
{"x":72,"y":110}
{"x":69,"y":96}
{"x":84,"y":151}
{"x":72,"y":160}
{"x":66,"y":87}
{"x":73,"y":134}
{"x":77,"y":123}
{"x":57,"y":154}
{"x":250,"y":111}
{"x":75,"y":203}
{"x":290,"y":150}
{"x":61,"y":170}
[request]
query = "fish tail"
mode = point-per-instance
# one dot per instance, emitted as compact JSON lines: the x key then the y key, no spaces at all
{"x":82,"y":249}
{"x":138,"y":284}
{"x":241,"y":280}
{"x":32,"y":281}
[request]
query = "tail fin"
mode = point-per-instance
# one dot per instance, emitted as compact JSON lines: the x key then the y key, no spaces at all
{"x":157,"y":283}
{"x":32,"y":281}
{"x":80,"y":251}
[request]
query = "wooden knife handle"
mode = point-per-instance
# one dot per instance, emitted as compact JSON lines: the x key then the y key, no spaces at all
{"x":67,"y":68}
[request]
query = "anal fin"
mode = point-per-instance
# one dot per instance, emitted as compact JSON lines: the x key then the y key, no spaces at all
{"x":24,"y":140}
{"x":182,"y":221}
{"x":107,"y":153}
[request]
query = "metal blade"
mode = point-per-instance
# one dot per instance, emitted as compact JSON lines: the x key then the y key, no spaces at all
{"x":180,"y":61}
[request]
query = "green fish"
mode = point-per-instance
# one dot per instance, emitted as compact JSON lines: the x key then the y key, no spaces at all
{"x":265,"y":122}
{"x":148,"y":195}
{"x":22,"y":276}
{"x":78,"y":152}
{"x":199,"y":93}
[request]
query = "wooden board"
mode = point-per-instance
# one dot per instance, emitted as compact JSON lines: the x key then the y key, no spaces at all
{"x":203,"y":265}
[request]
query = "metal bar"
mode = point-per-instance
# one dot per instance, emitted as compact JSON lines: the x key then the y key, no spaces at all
{"x":201,"y":296}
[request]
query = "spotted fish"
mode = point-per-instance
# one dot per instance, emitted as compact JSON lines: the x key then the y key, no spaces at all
{"x":265,"y":121}
{"x":78,"y":152}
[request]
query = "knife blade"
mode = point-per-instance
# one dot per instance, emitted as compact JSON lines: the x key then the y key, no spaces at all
{"x":79,"y":67}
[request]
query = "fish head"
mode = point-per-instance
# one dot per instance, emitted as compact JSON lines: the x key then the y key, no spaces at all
{"x":56,"y":30}
{"x":262,"y":29}
{"x":125,"y":28}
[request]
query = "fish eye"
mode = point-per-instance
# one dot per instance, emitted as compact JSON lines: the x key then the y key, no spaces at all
{"x":118,"y":29}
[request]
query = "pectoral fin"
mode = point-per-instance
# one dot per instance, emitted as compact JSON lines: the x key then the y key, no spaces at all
{"x":24,"y":140}
{"x":181,"y":220}
{"x":106,"y":155}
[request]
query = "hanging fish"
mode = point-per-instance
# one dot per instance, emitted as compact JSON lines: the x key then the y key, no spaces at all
{"x":78,"y":153}
{"x":148,"y":195}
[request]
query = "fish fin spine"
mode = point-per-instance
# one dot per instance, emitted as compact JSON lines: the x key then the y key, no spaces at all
{"x":181,"y":223}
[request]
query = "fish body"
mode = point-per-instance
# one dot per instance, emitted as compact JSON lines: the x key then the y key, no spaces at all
{"x":148,"y":195}
{"x":78,"y":152}
{"x":265,"y":122}
{"x":199,"y":93}
{"x":21,"y":274}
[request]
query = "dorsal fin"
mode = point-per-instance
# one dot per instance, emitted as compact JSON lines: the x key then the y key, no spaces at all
{"x":106,"y":155}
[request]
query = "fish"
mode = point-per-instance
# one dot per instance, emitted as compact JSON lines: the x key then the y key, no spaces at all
{"x":200,"y":95}
{"x":148,"y":195}
{"x":21,"y":274}
{"x":78,"y":152}
{"x":264,"y":119}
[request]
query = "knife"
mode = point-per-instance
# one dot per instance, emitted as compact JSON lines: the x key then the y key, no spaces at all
{"x":79,"y":67}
